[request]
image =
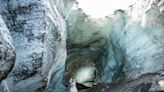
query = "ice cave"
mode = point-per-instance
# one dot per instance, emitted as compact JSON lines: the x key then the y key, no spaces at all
{"x":87,"y":45}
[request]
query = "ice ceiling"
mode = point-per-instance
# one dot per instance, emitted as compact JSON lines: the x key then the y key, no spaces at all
{"x":102,"y":8}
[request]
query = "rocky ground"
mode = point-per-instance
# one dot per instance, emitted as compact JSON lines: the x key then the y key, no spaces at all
{"x":146,"y":83}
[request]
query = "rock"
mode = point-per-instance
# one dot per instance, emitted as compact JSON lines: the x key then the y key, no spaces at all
{"x":7,"y":51}
{"x":39,"y":35}
{"x":145,"y":83}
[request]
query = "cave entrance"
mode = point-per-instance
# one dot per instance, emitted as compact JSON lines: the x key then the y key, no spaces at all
{"x":81,"y":65}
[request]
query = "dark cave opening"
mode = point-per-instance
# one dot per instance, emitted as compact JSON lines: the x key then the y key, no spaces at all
{"x":81,"y":65}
